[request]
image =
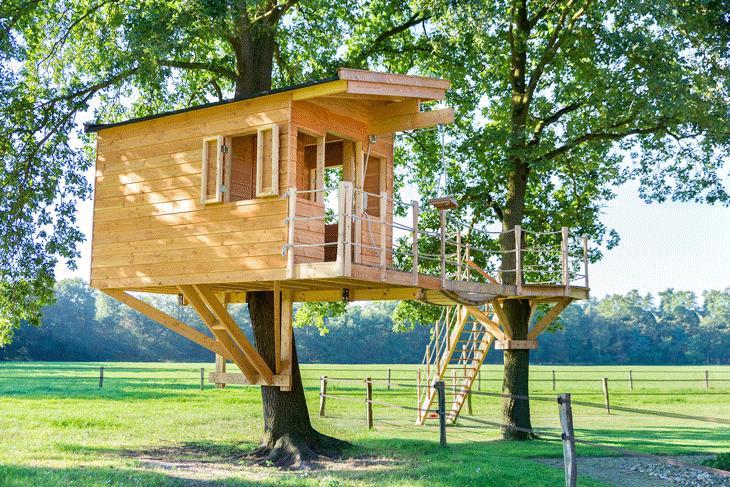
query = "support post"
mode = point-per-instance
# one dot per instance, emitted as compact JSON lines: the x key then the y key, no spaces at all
{"x":418,"y":388}
{"x":101,"y":377}
{"x":414,"y":204}
{"x":518,"y":258}
{"x":388,"y":379}
{"x":458,"y":255}
{"x":479,"y":380}
{"x":707,"y":379}
{"x":439,"y":386}
{"x":322,"y":394}
{"x":566,"y":425}
{"x":369,"y":402}
{"x":468,"y":402}
{"x":585,"y":260}
{"x":202,"y":378}
{"x":292,"y":197}
{"x":604,"y":381}
{"x":553,"y":379}
{"x":287,"y":346}
{"x":442,"y":226}
{"x":631,"y":380}
{"x":220,"y":368}
{"x":468,"y":259}
{"x":564,"y":256}
{"x":383,"y":229}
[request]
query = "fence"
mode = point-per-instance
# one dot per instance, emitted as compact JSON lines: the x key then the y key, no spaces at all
{"x":565,"y":407}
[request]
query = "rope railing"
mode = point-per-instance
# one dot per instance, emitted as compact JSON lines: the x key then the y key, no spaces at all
{"x":563,"y":259}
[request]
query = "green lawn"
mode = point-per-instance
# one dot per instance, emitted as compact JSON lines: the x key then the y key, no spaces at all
{"x":152,"y":425}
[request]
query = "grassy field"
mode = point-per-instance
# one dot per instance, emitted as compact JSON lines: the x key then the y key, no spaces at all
{"x":152,"y":425}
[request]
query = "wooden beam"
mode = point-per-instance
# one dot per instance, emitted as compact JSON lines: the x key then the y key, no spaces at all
{"x":220,"y":332}
{"x":548,"y":318}
{"x":411,"y":121}
{"x":499,"y":311}
{"x":395,"y":109}
{"x":376,"y":294}
{"x":277,"y":327}
{"x":323,"y":89}
{"x":224,"y":318}
{"x":482,"y":317}
{"x":392,"y":78}
{"x":234,"y":378}
{"x":168,"y":321}
{"x":515,"y":345}
{"x":287,"y":342}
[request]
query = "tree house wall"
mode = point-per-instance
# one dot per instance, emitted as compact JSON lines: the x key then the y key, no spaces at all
{"x":150,"y":227}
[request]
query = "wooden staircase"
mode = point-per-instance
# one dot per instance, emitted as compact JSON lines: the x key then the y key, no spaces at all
{"x":458,"y":347}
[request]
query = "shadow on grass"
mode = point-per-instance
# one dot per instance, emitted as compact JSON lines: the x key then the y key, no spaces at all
{"x":375,"y":461}
{"x":662,"y":440}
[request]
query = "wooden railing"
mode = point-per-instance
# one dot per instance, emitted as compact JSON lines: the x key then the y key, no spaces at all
{"x":464,"y":253}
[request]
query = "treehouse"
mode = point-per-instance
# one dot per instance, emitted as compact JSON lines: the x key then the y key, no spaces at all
{"x":291,"y":190}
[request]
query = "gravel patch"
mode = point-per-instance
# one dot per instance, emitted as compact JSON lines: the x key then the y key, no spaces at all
{"x":643,"y":472}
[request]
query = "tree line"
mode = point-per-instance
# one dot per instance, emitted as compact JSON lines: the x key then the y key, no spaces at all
{"x":673,"y":328}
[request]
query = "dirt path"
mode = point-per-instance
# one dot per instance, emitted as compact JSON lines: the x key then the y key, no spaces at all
{"x":642,"y":472}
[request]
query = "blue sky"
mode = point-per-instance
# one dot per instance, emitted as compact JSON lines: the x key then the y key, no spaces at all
{"x":679,"y":245}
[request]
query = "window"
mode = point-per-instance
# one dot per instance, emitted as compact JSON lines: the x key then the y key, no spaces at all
{"x":267,"y":161}
{"x":212,"y":179}
{"x":240,"y":167}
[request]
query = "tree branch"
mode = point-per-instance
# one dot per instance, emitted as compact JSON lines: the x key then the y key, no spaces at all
{"x":601,"y":136}
{"x":414,"y":19}
{"x":543,"y":123}
{"x":540,"y":14}
{"x":174,"y":63}
{"x":273,"y":14}
{"x":553,"y":44}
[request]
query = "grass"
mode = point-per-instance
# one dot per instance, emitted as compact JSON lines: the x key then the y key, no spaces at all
{"x":152,"y":425}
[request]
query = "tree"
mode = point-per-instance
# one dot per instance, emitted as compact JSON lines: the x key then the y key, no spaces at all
{"x":560,"y":102}
{"x":123,"y":58}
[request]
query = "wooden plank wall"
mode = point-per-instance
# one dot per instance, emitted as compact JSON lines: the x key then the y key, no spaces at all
{"x":149,"y":225}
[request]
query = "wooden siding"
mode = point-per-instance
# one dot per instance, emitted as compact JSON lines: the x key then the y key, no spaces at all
{"x":150,"y":227}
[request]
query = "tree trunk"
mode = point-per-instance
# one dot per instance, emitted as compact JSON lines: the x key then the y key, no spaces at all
{"x":515,"y":411}
{"x":289,"y":439}
{"x":254,"y":59}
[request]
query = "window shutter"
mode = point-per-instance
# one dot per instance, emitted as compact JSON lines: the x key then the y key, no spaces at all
{"x":267,"y":161}
{"x":211,"y":188}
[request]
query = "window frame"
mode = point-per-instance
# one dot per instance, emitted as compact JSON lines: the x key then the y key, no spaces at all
{"x":273,"y":163}
{"x":220,"y":163}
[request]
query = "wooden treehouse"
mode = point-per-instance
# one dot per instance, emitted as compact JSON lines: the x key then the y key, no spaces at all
{"x":291,"y":191}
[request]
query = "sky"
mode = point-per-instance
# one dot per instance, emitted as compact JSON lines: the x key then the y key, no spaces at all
{"x":685,"y":246}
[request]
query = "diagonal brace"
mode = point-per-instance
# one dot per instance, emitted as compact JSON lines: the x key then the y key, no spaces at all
{"x":220,"y":332}
{"x":168,"y":321}
{"x":224,"y":318}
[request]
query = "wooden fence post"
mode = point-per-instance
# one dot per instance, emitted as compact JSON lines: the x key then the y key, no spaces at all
{"x":369,"y":401}
{"x":604,"y":381}
{"x":707,"y":379}
{"x":101,"y":377}
{"x":440,"y":389}
{"x":553,"y":379}
{"x":322,"y":394}
{"x":202,"y":378}
{"x":631,"y":380}
{"x":388,"y":379}
{"x":566,"y":425}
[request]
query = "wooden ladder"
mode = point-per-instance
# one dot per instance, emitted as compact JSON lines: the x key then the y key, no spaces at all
{"x":454,"y":355}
